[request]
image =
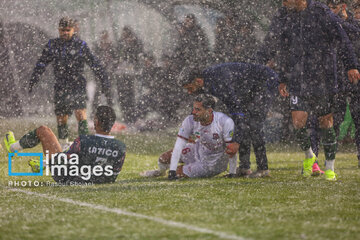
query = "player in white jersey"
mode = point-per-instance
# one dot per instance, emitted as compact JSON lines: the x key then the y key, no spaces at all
{"x":206,"y":156}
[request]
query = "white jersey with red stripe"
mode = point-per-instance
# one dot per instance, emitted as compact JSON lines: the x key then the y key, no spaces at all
{"x":211,"y":139}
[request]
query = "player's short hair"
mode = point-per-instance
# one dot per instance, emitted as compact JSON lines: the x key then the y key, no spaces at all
{"x":67,"y":22}
{"x":106,"y":117}
{"x":207,"y":100}
{"x":336,"y":2}
{"x":187,"y":75}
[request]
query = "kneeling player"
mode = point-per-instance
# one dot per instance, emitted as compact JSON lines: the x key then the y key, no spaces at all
{"x":100,"y":156}
{"x":206,"y":157}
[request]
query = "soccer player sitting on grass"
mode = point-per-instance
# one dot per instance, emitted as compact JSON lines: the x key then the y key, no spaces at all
{"x":206,"y":157}
{"x":100,"y":156}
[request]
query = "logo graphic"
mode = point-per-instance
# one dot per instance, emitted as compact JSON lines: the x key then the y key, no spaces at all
{"x":231,"y":133}
{"x":62,"y":164}
{"x":216,"y":136}
{"x":11,"y":155}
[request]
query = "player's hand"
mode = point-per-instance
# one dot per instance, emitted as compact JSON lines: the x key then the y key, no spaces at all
{"x":172,"y":175}
{"x":282,"y":90}
{"x":232,"y":149}
{"x":354,"y":76}
{"x":271,"y":64}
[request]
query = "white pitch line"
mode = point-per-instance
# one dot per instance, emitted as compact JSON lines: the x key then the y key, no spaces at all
{"x":130,"y":214}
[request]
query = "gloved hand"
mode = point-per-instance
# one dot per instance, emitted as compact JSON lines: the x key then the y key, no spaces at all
{"x":230,"y":175}
{"x":172,"y":175}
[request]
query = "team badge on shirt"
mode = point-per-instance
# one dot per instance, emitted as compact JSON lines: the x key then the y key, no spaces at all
{"x":216,"y":136}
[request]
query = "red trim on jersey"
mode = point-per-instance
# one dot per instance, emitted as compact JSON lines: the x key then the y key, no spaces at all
{"x":183,"y":137}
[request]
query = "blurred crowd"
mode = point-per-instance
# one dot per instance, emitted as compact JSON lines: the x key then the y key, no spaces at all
{"x":144,"y":84}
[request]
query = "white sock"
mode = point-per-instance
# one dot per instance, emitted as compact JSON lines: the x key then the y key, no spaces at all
{"x":163,"y":166}
{"x":63,"y":141}
{"x":330,"y":164}
{"x":309,"y":153}
{"x":16,"y":147}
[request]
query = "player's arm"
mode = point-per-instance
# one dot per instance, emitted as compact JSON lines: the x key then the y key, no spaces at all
{"x":336,"y":31}
{"x":272,"y":42}
{"x":44,"y":60}
{"x":99,"y":72}
{"x":232,"y":165}
{"x":182,"y":138}
{"x":228,"y":133}
{"x":175,"y":156}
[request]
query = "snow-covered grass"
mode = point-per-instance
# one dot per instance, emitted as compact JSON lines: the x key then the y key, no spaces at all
{"x":285,"y":206}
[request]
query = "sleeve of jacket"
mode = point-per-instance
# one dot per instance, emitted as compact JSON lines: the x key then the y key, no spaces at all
{"x":44,"y":60}
{"x":272,"y":40}
{"x":99,"y":71}
{"x":340,"y":38}
{"x":272,"y":81}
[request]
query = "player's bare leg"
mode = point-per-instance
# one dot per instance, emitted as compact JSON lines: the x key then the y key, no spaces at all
{"x":81,"y":117}
{"x":48,"y":140}
{"x":180,"y":173}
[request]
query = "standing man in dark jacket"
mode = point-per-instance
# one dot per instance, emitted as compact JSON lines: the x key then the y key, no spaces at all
{"x":247,"y":90}
{"x":69,"y":55}
{"x":343,"y":90}
{"x":347,"y":93}
{"x":304,"y":31}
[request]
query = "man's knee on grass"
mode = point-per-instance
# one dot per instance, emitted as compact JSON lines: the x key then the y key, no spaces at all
{"x":180,"y":173}
{"x":165,"y":157}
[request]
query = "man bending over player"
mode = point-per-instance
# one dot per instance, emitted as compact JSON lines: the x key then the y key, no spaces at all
{"x":206,"y":157}
{"x":101,"y":154}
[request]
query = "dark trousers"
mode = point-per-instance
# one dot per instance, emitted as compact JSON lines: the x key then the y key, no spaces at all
{"x":126,"y":96}
{"x":252,"y":127}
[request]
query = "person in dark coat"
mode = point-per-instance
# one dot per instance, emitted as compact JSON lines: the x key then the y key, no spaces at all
{"x":69,"y":55}
{"x":193,"y":48}
{"x":106,"y":52}
{"x":130,"y":49}
{"x":247,"y":90}
{"x":345,"y":91}
{"x":304,"y":32}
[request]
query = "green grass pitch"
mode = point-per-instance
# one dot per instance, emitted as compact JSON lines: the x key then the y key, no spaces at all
{"x":285,"y":206}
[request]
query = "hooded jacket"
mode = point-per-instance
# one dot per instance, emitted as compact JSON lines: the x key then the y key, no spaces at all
{"x":304,"y":42}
